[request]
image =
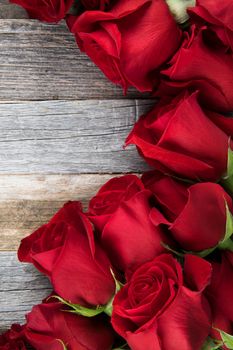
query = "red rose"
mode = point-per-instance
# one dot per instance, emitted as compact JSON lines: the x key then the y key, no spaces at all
{"x":189,"y":68}
{"x":64,"y":249}
{"x":48,"y":11}
{"x":162,"y":307}
{"x":121,"y":211}
{"x":196,"y":215}
{"x":218,"y":16}
{"x":129,"y":42}
{"x":14,"y":339}
{"x":104,"y":204}
{"x":95,"y":4}
{"x":220,"y":292}
{"x":181,"y":139}
{"x":49,"y":326}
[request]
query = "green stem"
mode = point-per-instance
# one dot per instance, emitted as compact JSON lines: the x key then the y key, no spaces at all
{"x":227,"y":183}
{"x":228,"y":244}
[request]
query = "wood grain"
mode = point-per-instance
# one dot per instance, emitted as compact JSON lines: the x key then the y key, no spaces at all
{"x":41,"y":62}
{"x":28,"y":201}
{"x":59,"y":119}
{"x":11,"y":11}
{"x":69,"y":136}
{"x":21,"y":287}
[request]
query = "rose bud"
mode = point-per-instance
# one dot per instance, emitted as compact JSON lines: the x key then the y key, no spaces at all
{"x":217,"y":16}
{"x":51,"y":326}
{"x":160,"y":297}
{"x":127,"y":41}
{"x":66,"y":248}
{"x":49,"y":11}
{"x":219,"y":294}
{"x":188,"y":68}
{"x":181,"y":139}
{"x":199,"y":216}
{"x":120,"y":211}
{"x":14,"y":339}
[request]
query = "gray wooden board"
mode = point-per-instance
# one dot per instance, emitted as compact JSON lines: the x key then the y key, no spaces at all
{"x":59,"y":117}
{"x":11,"y":11}
{"x":28,"y":201}
{"x":40,"y":61}
{"x":21,"y":287}
{"x":69,"y":136}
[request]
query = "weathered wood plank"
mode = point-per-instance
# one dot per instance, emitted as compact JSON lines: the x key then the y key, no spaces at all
{"x":40,"y":61}
{"x":28,"y":201}
{"x":69,"y":136}
{"x":21,"y":287}
{"x":11,"y":11}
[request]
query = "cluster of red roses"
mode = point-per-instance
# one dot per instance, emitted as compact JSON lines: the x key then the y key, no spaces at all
{"x":149,"y":265}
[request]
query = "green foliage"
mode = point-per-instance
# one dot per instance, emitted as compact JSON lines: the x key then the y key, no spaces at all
{"x":62,"y":343}
{"x":212,"y":344}
{"x":81,"y":310}
{"x":230,"y":163}
{"x":227,"y":180}
{"x":227,"y":339}
{"x":227,"y":243}
{"x":91,"y":312}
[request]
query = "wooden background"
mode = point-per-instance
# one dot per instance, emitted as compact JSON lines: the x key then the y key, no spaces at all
{"x":62,"y":127}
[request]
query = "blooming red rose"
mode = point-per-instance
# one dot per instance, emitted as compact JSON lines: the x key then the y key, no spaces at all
{"x":66,"y":248}
{"x":50,"y":327}
{"x":46,"y":10}
{"x":218,"y":16}
{"x":162,"y":307}
{"x":181,"y":139}
{"x":13,"y":339}
{"x":130,"y":41}
{"x":220,"y":292}
{"x":95,"y":4}
{"x":189,"y":68}
{"x":121,"y":211}
{"x":117,"y":190}
{"x":196,"y":215}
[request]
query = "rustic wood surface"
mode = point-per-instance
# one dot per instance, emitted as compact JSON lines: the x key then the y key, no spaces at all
{"x":11,"y":11}
{"x":28,"y":201}
{"x":68,"y":136}
{"x":42,"y":62}
{"x":62,"y":127}
{"x":16,"y":293}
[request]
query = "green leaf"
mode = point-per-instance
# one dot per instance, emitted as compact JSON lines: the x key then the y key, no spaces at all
{"x":118,"y":284}
{"x":62,"y":343}
{"x":203,"y":253}
{"x":212,"y":344}
{"x":227,"y":180}
{"x":227,"y":339}
{"x":170,"y":249}
{"x":81,"y":310}
{"x":91,"y":312}
{"x":229,"y":223}
{"x":229,"y":163}
{"x":109,"y":306}
{"x":227,"y":243}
